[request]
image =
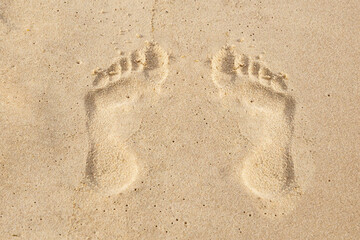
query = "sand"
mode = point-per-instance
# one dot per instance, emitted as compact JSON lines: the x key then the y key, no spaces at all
{"x":179,"y":119}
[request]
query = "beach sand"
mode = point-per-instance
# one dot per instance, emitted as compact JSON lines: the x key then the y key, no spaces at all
{"x":179,"y":119}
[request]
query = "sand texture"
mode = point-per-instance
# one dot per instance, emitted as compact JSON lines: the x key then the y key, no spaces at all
{"x":170,"y":119}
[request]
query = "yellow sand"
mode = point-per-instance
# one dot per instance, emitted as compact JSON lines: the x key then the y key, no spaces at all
{"x":179,"y":120}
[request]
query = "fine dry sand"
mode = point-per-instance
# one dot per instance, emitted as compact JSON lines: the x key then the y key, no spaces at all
{"x":170,"y":119}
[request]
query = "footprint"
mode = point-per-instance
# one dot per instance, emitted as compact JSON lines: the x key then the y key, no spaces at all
{"x":268,"y":170}
{"x":114,"y":115}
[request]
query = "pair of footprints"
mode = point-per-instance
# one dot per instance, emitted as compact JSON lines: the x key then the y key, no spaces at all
{"x":268,"y":170}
